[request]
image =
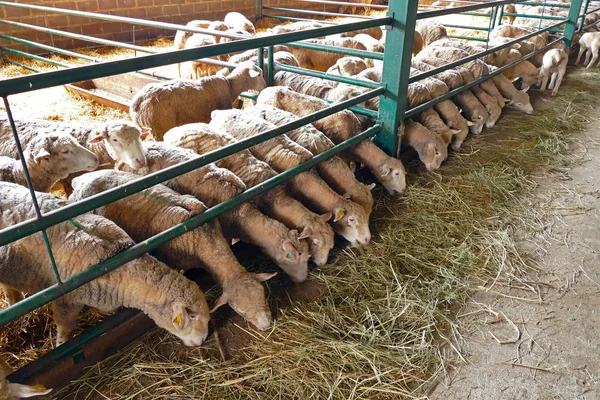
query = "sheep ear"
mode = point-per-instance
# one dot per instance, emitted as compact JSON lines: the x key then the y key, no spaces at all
{"x":455,"y":131}
{"x":180,"y":316}
{"x":430,"y":149}
{"x":20,"y":391}
{"x":371,"y":186}
{"x":525,"y":90}
{"x":507,"y":100}
{"x":525,"y":87}
{"x":253,"y":73}
{"x":145,"y":132}
{"x":42,"y":154}
{"x":326,"y":217}
{"x":306,"y":232}
{"x":99,"y":136}
{"x":346,"y":196}
{"x":221,"y":301}
{"x":339,"y":214}
{"x":264,"y":276}
{"x":470,"y":123}
{"x":385,"y":171}
{"x":488,"y":107}
{"x":287,"y":244}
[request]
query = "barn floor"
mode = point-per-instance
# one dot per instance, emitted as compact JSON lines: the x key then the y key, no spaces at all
{"x":547,"y":341}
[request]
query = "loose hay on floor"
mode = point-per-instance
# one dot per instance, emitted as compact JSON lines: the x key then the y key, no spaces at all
{"x":386,"y":324}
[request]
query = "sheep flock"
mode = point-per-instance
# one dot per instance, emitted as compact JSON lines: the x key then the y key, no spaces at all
{"x":292,"y":224}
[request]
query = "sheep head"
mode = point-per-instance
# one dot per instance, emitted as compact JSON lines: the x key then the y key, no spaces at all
{"x":123,"y":142}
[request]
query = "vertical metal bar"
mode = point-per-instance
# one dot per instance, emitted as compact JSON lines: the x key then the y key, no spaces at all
{"x":258,"y":10}
{"x":500,"y":16}
{"x":261,"y":59}
{"x":493,"y":17}
{"x":585,"y":10}
{"x":571,"y":24}
{"x":133,"y":40}
{"x":397,"y":55}
{"x":271,"y":71}
{"x":30,"y":185}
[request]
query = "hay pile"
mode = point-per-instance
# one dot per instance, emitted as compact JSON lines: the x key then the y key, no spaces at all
{"x":385,"y":326}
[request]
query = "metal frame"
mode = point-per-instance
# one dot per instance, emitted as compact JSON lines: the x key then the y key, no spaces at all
{"x":400,"y":23}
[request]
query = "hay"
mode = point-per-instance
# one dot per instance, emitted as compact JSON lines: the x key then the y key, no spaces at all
{"x":386,"y":326}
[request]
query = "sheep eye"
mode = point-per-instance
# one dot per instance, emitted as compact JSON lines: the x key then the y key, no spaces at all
{"x":351,"y":219}
{"x":290,"y":255}
{"x":114,"y":140}
{"x":315,"y":242}
{"x":437,"y":153}
{"x":64,"y":151}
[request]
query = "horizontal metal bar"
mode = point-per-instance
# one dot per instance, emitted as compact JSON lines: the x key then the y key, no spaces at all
{"x":55,"y":78}
{"x":33,"y":56}
{"x":297,"y":19}
{"x":53,"y":292}
{"x":533,"y":3}
{"x":50,"y":48}
{"x":338,"y":50}
{"x":535,"y":16}
{"x":345,"y":3}
{"x":479,"y":55}
{"x":363,"y":111}
{"x":127,"y":20}
{"x":51,"y":218}
{"x":463,"y":9}
{"x":328,"y":14}
{"x":323,"y":75}
{"x":477,"y":28}
{"x":467,"y":38}
{"x":477,"y":81}
{"x":18,"y":64}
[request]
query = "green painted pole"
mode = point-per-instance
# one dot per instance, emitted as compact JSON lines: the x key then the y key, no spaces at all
{"x":271,"y":66}
{"x":258,"y":10}
{"x":396,"y":72}
{"x":571,"y":25}
{"x":583,"y":15}
{"x":500,"y":16}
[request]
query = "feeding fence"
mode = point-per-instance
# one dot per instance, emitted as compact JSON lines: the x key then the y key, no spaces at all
{"x":399,"y":24}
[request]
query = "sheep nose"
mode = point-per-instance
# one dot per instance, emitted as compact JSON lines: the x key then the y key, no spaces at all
{"x":141,"y":163}
{"x":367,"y":240}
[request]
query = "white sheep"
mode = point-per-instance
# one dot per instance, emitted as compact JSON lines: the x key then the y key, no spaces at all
{"x":159,"y":208}
{"x":370,"y":43}
{"x":170,"y":299}
{"x":213,"y":185}
{"x":165,"y":105}
{"x":49,"y":158}
{"x":589,"y":44}
{"x":238,"y":21}
{"x":295,"y":27}
{"x":431,"y":148}
{"x":322,"y":60}
{"x":554,"y":64}
{"x":275,"y":203}
{"x":340,"y":126}
{"x":349,"y":219}
{"x":110,"y":141}
{"x":182,"y":36}
{"x":348,"y":66}
{"x":10,"y":391}
{"x":334,"y":171}
{"x":430,"y":31}
{"x":517,"y":98}
{"x":197,"y":69}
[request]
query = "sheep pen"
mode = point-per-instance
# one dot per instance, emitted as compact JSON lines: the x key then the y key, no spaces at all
{"x":380,"y":322}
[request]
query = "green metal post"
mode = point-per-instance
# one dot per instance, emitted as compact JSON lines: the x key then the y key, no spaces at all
{"x":270,"y":66}
{"x":258,"y":10}
{"x":571,"y":25}
{"x":260,"y":52}
{"x":396,"y":71}
{"x":583,"y":15}
{"x":493,"y":18}
{"x":500,"y":16}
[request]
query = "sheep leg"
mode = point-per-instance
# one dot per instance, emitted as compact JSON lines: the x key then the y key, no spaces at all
{"x":12,"y":295}
{"x":581,"y":51}
{"x":594,"y":57}
{"x":544,"y":81}
{"x":65,"y":316}
{"x":553,"y":80}
{"x":588,"y":55}
{"x":561,"y":74}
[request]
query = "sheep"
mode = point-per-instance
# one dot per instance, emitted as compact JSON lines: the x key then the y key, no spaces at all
{"x":347,"y":66}
{"x":213,"y":185}
{"x":340,"y":126}
{"x":517,"y":98}
{"x":430,"y":31}
{"x":524,"y":70}
{"x":349,"y":219}
{"x":370,"y":43}
{"x":49,"y":158}
{"x":371,"y":74}
{"x":555,"y":64}
{"x":431,"y":148}
{"x":248,"y":54}
{"x":375,"y":31}
{"x":418,"y":43}
{"x":589,"y":43}
{"x":321,"y":60}
{"x":526,"y":46}
{"x":197,"y":69}
{"x":170,"y":299}
{"x":303,"y":84}
{"x":334,"y":171}
{"x":165,"y":105}
{"x":160,"y":208}
{"x":238,"y":21}
{"x":112,"y":140}
{"x":182,"y":36}
{"x":10,"y":391}
{"x":296,"y":26}
{"x":275,"y":203}
{"x":466,"y":100}
{"x":279,"y":57}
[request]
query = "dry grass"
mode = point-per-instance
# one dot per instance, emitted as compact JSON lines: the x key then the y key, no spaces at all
{"x":387,"y":315}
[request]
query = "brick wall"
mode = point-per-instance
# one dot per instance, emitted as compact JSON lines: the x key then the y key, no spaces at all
{"x":174,"y":11}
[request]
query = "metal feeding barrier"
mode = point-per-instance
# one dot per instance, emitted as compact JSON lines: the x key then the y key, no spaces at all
{"x":399,"y":23}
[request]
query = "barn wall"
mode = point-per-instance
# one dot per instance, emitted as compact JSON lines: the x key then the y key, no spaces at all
{"x":174,"y":11}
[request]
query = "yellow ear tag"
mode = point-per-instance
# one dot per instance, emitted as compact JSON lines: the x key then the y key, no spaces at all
{"x":475,"y":118}
{"x":352,"y":165}
{"x":178,"y":319}
{"x":339,"y":214}
{"x":97,"y":133}
{"x":39,"y":387}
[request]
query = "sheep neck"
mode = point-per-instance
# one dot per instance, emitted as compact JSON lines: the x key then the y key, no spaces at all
{"x":42,"y":177}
